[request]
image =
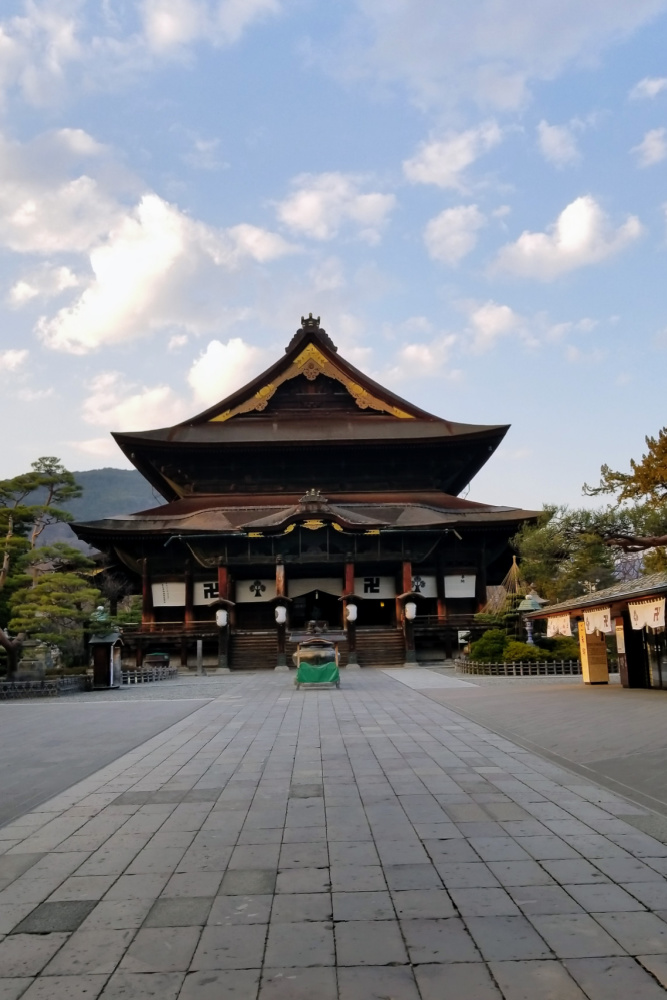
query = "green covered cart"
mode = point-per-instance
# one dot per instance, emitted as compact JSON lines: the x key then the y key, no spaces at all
{"x":316,"y":660}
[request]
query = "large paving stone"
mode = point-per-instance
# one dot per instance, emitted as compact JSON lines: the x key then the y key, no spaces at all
{"x":63,"y":916}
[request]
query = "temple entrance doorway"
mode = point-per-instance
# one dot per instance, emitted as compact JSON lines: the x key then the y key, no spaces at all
{"x":377,"y":614}
{"x":316,"y":605}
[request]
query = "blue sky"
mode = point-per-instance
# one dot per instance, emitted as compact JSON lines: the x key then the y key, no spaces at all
{"x":471,"y":195}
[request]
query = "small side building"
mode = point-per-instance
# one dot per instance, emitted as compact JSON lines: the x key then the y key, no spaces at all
{"x":634,"y":614}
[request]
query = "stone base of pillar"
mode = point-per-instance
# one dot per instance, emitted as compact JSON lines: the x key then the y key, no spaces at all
{"x":411,"y":658}
{"x":353,"y":665}
{"x":281,"y":668}
{"x":217,"y":670}
{"x":412,"y":664}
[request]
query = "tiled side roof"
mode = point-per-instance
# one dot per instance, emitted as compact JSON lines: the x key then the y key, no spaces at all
{"x":654,"y":583}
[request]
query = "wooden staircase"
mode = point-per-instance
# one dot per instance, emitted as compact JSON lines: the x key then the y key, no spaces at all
{"x":253,"y":650}
{"x":380,"y":647}
{"x":258,"y":650}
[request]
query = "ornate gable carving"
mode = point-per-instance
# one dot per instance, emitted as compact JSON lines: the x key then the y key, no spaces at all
{"x":312,"y":363}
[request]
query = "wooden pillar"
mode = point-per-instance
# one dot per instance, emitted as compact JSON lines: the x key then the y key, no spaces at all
{"x":409,"y":655}
{"x":480,"y":585}
{"x":348,"y":588}
{"x":189,"y":615}
{"x":440,"y":589}
{"x":223,"y":649}
{"x":349,"y":626}
{"x":620,"y":652}
{"x":280,"y":578}
{"x":223,"y":583}
{"x":147,"y":612}
{"x":226,"y":592}
{"x":281,"y":587}
{"x":447,"y":635}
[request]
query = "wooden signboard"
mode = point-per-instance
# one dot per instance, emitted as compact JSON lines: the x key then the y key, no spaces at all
{"x":593,"y":651}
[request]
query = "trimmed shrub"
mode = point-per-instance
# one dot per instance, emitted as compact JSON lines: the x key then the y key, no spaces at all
{"x":515,"y":651}
{"x":490,"y":645}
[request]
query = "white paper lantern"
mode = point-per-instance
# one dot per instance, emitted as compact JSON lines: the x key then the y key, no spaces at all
{"x":410,"y":610}
{"x":281,"y":614}
{"x":221,"y":617}
{"x":351,"y":612}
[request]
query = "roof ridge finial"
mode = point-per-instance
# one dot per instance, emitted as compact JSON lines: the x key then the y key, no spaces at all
{"x":310,"y":323}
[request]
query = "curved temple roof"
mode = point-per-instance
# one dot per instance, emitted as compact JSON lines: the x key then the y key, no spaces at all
{"x":310,"y":396}
{"x":195,"y":515}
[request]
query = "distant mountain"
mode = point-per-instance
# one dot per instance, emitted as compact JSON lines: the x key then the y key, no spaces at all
{"x":105,"y":492}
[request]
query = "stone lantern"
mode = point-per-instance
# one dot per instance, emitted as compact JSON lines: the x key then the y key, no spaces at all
{"x":528,"y":604}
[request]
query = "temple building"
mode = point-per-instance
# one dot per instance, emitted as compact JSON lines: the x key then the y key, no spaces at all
{"x":311,"y":493}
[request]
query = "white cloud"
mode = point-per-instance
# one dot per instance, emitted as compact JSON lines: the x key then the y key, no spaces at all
{"x":328,"y":275}
{"x":557,"y":144}
{"x":178,"y":341}
{"x":171,"y":25}
{"x":257,"y":244}
{"x":453,"y":234}
{"x":38,"y":47}
{"x":204,"y":155}
{"x":653,"y":147}
{"x":12,"y":359}
{"x":42,"y":208}
{"x":102,"y":449}
{"x":575,"y":355}
{"x":54,"y":46}
{"x":648,"y":87}
{"x":323,"y":203}
{"x":557,"y":331}
{"x":423,"y":359}
{"x":581,"y":235}
{"x":442,"y":161}
{"x":34,"y":395}
{"x":222,"y":368}
{"x":45,"y":283}
{"x":489,"y":322}
{"x":489,"y":51}
{"x":146,"y":267}
{"x":117,"y":405}
{"x":148,"y":275}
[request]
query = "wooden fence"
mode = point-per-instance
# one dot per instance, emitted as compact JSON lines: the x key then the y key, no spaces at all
{"x":144,"y":675}
{"x":535,"y":668}
{"x":48,"y":687}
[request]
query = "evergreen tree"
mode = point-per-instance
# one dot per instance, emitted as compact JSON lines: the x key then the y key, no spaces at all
{"x":28,"y":503}
{"x":636,"y":521}
{"x":563,"y":555}
{"x":55,"y":599}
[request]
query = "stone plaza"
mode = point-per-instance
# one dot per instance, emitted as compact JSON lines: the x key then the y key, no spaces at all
{"x":364,"y":843}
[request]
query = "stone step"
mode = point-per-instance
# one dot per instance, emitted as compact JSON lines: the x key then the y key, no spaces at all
{"x":380,"y":648}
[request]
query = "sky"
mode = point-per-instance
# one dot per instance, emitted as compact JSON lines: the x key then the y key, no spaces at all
{"x":472,"y":196}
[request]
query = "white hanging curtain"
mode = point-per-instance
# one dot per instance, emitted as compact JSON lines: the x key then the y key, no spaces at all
{"x":598,"y":620}
{"x":648,"y":614}
{"x":558,"y":625}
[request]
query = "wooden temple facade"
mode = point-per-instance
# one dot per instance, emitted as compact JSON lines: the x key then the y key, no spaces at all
{"x":311,"y":493}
